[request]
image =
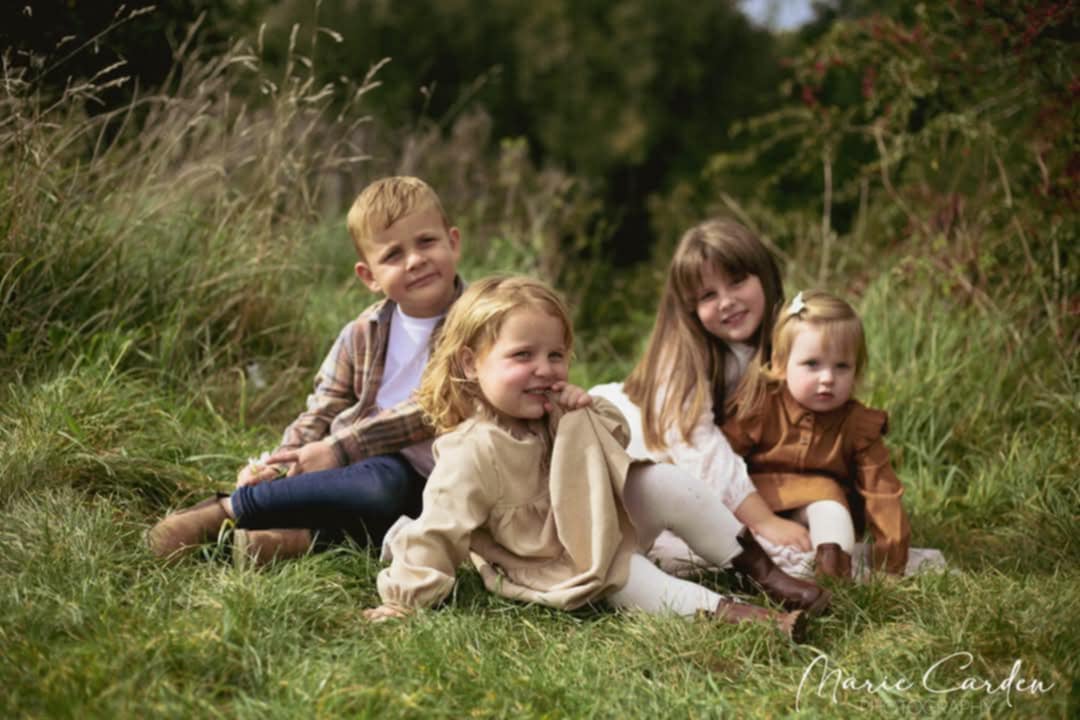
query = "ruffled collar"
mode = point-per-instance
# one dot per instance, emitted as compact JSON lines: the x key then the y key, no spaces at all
{"x":796,"y":413}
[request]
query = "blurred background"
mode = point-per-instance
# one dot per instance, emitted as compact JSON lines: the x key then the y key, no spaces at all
{"x":572,"y":139}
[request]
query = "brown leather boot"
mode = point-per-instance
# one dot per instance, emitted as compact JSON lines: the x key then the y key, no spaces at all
{"x":256,"y":548}
{"x":792,"y":593}
{"x":181,"y":532}
{"x":832,"y":561}
{"x":792,"y":624}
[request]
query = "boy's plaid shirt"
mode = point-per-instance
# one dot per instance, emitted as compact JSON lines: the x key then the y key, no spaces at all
{"x":342,"y":407}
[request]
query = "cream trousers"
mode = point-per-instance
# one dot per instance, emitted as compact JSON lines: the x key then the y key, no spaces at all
{"x":663,"y":497}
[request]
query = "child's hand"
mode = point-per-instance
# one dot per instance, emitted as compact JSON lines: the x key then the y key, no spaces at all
{"x":781,"y":531}
{"x":256,"y":472}
{"x":568,"y":397}
{"x":384,"y":613}
{"x":312,"y":457}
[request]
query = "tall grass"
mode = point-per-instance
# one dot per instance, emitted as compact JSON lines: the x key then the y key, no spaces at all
{"x":176,"y":221}
{"x":985,"y":427}
{"x":151,"y":255}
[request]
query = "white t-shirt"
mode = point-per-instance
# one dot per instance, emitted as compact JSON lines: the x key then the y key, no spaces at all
{"x":407,"y":352}
{"x":406,"y":355}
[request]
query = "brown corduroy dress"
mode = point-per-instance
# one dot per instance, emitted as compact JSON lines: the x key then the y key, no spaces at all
{"x":796,"y":456}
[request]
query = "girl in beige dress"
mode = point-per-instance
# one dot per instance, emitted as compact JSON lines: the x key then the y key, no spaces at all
{"x":533,"y":485}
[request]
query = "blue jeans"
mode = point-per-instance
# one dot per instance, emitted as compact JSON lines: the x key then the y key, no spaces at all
{"x":361,"y":500}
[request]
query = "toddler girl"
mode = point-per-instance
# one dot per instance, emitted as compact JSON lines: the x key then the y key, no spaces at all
{"x":720,"y":299}
{"x":532,"y":482}
{"x":812,"y":449}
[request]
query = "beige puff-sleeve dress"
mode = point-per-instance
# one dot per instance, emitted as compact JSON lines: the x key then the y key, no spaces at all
{"x":547,"y":530}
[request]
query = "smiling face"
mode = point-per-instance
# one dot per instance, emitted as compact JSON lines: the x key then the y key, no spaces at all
{"x":819,"y":375}
{"x":413,"y":262}
{"x":528,"y":356}
{"x":731,"y":308}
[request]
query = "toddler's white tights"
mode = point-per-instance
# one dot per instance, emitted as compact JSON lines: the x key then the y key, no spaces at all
{"x":829,"y":522}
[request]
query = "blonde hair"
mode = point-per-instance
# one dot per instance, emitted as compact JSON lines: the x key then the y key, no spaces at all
{"x":446,"y":395}
{"x":841,"y":329}
{"x":384,"y":202}
{"x":683,"y":362}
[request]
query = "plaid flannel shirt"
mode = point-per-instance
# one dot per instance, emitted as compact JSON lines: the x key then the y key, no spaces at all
{"x":342,"y":406}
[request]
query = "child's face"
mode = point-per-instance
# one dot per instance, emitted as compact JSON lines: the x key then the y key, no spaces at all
{"x":819,"y":378}
{"x":527,"y":358}
{"x":413,"y":262}
{"x":731,"y":309}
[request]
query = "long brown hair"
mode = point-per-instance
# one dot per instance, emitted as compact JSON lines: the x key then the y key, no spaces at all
{"x":446,"y":395}
{"x":840,"y":327}
{"x":681,"y":373}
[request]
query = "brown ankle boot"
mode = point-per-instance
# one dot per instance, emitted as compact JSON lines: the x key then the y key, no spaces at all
{"x":792,"y":593}
{"x":181,"y":532}
{"x":832,"y":561}
{"x":792,"y":624}
{"x":256,"y":548}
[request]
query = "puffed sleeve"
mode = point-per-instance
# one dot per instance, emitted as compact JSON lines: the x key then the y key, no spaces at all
{"x":708,"y":455}
{"x":743,"y":433}
{"x":881,"y":490}
{"x":457,"y":501}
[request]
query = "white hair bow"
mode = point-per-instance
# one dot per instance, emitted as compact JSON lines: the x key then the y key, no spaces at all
{"x":797,"y":304}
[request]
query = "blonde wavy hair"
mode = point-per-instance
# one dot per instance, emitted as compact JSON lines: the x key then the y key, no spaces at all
{"x":841,"y":330}
{"x":683,"y":362}
{"x":446,"y":395}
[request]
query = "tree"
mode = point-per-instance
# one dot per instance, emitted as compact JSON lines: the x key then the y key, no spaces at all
{"x":632,"y":94}
{"x":117,"y":44}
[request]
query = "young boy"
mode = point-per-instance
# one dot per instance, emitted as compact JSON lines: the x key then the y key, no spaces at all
{"x":358,"y":457}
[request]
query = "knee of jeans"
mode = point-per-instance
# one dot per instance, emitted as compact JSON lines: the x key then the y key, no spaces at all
{"x":398,"y":493}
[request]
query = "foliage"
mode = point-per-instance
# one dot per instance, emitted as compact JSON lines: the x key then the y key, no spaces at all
{"x":951,"y":136}
{"x":65,"y":42}
{"x":177,"y":235}
{"x":590,"y":85}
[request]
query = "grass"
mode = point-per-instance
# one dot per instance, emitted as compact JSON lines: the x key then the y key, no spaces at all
{"x":92,"y":626}
{"x":137,"y":288}
{"x":207,"y":641}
